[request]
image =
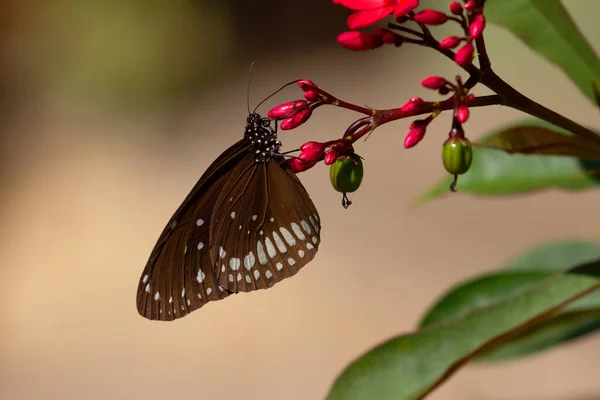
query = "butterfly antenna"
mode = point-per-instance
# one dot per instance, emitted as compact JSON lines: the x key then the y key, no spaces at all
{"x":275,"y":92}
{"x":248,"y":88}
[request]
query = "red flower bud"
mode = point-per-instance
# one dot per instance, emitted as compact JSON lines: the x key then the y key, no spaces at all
{"x":414,"y":136}
{"x":297,"y":165}
{"x":470,"y":97}
{"x":464,"y":55}
{"x":412,"y":105}
{"x":306,"y":85}
{"x":477,"y":26}
{"x":430,"y":17}
{"x":456,"y":8}
{"x":383,"y":36}
{"x":297,"y":119}
{"x":330,"y":157}
{"x":286,"y":109}
{"x":312,"y":95}
{"x":470,"y":5}
{"x":450,"y":42}
{"x":433,"y":82}
{"x":462,"y":113}
{"x":389,"y":37}
{"x":312,"y":151}
{"x":358,"y":41}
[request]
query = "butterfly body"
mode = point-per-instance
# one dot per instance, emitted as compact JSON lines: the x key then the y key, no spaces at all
{"x":247,"y":224}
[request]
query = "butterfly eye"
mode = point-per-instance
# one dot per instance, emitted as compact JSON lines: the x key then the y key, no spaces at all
{"x":266,"y":122}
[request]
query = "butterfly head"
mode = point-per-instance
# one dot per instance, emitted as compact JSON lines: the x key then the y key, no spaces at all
{"x":262,"y":136}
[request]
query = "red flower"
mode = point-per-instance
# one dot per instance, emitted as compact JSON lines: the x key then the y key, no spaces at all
{"x":372,"y":11}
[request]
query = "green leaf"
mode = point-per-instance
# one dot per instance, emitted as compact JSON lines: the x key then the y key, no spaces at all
{"x":557,"y":256}
{"x":560,"y":329}
{"x":577,"y":319}
{"x":410,"y":366}
{"x":546,"y":27}
{"x":496,"y":173}
{"x":543,"y":141}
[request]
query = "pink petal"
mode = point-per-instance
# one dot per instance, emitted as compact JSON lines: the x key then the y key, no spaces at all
{"x":363,"y":19}
{"x":405,"y":6}
{"x":364,"y":5}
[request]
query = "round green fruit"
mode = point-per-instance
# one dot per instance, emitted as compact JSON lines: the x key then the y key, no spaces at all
{"x":457,"y":155}
{"x":346,"y":173}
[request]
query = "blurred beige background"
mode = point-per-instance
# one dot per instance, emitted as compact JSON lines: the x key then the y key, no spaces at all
{"x":110,"y":113}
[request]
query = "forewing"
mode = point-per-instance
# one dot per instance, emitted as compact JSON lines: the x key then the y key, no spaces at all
{"x":178,"y":277}
{"x":264,"y":227}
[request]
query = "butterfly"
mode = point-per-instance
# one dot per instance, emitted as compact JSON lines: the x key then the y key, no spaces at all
{"x":247,"y":224}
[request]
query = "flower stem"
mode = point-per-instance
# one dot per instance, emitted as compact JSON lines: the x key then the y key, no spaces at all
{"x":514,"y":99}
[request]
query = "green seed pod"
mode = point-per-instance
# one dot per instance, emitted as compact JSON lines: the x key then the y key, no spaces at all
{"x":346,"y":173}
{"x":457,"y":155}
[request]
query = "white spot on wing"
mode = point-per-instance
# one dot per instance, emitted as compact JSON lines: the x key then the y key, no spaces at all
{"x":312,"y":221}
{"x":248,"y":279}
{"x":256,"y":274}
{"x":270,"y":248}
{"x":222,"y":252}
{"x":291,"y":261}
{"x":279,"y":243}
{"x":301,"y":253}
{"x":185,"y":250}
{"x":208,"y":291}
{"x":222,"y":267}
{"x":148,"y":288}
{"x":287,"y":236}
{"x":309,"y":246}
{"x":297,"y":231}
{"x":239,"y":276}
{"x":200,"y":277}
{"x":233,"y":215}
{"x":200,"y":246}
{"x":230,"y":277}
{"x":170,"y":299}
{"x":268,"y":274}
{"x":157,"y":296}
{"x":272,"y":219}
{"x":262,"y":257}
{"x":145,"y":279}
{"x":183,"y":292}
{"x":189,"y":302}
{"x":200,"y":222}
{"x":254,"y":217}
{"x":249,"y":260}
{"x":314,"y":239}
{"x":234,"y":264}
{"x":305,"y":226}
{"x":279,"y":266}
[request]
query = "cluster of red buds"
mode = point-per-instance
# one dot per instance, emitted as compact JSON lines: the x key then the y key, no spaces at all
{"x":339,"y":153}
{"x":368,"y":12}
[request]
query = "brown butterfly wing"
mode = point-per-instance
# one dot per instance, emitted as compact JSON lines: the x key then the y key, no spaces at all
{"x":264,"y":229}
{"x":178,"y":277}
